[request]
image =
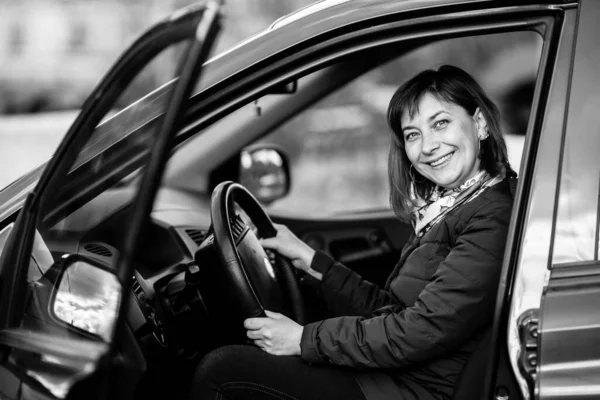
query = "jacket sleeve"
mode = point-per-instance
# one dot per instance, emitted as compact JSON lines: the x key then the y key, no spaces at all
{"x":344,"y":291}
{"x":458,"y":299}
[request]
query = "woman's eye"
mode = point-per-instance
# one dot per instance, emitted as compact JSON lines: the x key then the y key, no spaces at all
{"x":442,"y":123}
{"x":409,"y":137}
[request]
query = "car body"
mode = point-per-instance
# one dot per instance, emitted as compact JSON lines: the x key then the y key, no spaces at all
{"x":128,"y":193}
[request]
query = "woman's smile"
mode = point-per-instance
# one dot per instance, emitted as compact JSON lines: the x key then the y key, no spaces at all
{"x":441,"y":162}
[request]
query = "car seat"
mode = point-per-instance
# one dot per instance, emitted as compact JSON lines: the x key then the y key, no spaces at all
{"x":470,"y":381}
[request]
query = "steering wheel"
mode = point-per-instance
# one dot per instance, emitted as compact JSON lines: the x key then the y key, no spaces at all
{"x":258,"y":283}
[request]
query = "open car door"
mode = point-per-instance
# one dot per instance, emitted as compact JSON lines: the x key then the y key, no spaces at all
{"x":45,"y":352}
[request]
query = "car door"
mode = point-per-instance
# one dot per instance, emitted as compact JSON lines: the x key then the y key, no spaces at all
{"x":554,"y":323}
{"x":48,"y":332}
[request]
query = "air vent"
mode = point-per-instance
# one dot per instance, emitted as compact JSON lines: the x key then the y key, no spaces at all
{"x":196,"y":235}
{"x":136,"y":288}
{"x":98,"y":249}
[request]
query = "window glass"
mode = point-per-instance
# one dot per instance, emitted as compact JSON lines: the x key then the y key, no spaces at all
{"x":578,"y":216}
{"x":127,"y":131}
{"x":338,"y":147}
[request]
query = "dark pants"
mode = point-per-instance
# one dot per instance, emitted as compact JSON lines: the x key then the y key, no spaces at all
{"x":247,"y":372}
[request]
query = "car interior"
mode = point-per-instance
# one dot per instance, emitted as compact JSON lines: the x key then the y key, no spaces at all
{"x":181,"y":305}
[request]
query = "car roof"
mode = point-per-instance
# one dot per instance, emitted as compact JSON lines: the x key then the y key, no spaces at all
{"x":346,"y":11}
{"x":327,"y":15}
{"x":306,"y":10}
{"x":325,"y":7}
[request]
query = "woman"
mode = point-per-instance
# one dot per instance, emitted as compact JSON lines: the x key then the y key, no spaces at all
{"x":448,"y":174}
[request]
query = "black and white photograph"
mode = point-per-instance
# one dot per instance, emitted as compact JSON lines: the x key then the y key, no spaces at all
{"x":300,"y":199}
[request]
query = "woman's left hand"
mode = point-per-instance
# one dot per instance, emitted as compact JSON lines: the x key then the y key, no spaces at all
{"x":276,"y":334}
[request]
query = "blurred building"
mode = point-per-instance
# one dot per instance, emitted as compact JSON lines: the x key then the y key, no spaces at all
{"x":53,"y":52}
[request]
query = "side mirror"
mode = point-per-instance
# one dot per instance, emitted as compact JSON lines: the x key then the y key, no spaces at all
{"x":87,"y":296}
{"x":264,"y":171}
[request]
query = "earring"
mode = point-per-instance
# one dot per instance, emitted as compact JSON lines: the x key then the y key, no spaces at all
{"x":486,"y":135}
{"x":412,"y":176}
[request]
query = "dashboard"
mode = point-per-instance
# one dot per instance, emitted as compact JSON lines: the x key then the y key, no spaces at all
{"x":166,"y":308}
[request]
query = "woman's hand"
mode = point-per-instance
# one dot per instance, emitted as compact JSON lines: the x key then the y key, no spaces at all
{"x":276,"y":334}
{"x":290,"y":246}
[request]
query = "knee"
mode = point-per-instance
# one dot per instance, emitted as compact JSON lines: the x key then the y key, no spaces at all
{"x":213,"y":370}
{"x":216,"y":361}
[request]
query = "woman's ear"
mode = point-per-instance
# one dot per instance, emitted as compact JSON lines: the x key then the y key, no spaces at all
{"x":482,"y":127}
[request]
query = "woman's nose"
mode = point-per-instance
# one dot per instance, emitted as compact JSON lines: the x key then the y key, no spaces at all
{"x":430,"y":143}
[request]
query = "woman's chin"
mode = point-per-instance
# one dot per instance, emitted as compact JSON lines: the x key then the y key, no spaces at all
{"x":446,"y":180}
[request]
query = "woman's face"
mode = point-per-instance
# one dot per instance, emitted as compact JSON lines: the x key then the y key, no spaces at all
{"x":442,"y":142}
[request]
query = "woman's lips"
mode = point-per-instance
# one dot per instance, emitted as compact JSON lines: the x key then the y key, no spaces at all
{"x":441,"y":161}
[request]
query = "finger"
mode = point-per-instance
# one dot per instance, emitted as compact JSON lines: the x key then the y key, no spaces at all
{"x":254,"y":335}
{"x":298,"y":264}
{"x":278,"y":227}
{"x":254,"y":323}
{"x":270,"y":243}
{"x":272,"y":350}
{"x":274,"y":315}
{"x":260,"y":343}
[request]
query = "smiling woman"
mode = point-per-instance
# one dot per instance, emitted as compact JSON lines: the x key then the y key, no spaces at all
{"x":410,"y":339}
{"x":446,"y":133}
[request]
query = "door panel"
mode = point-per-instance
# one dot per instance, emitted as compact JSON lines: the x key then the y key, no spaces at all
{"x":570,"y":333}
{"x":569,"y":337}
{"x":370,"y":245}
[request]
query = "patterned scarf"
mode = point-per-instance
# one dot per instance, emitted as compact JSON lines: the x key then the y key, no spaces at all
{"x":429,"y":212}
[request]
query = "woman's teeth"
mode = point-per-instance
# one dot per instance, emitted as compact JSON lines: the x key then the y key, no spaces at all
{"x":442,"y":160}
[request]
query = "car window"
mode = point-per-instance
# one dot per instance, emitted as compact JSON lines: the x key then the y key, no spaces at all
{"x":338,"y":147}
{"x":125,"y":133}
{"x":577,"y":234}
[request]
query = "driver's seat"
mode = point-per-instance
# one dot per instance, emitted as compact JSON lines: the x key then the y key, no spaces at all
{"x":470,"y":381}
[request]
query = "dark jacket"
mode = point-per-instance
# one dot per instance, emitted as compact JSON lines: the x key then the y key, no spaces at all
{"x":411,"y":339}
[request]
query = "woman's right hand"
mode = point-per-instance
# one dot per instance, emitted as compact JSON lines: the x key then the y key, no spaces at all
{"x":291,"y":247}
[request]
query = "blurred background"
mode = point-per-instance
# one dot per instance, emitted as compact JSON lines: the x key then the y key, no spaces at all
{"x":53,"y":53}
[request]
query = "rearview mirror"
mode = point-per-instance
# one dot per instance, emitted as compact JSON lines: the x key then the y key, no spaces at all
{"x":264,"y":171}
{"x":88,"y":297}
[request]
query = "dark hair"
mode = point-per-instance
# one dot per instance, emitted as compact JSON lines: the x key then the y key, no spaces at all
{"x":452,"y":85}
